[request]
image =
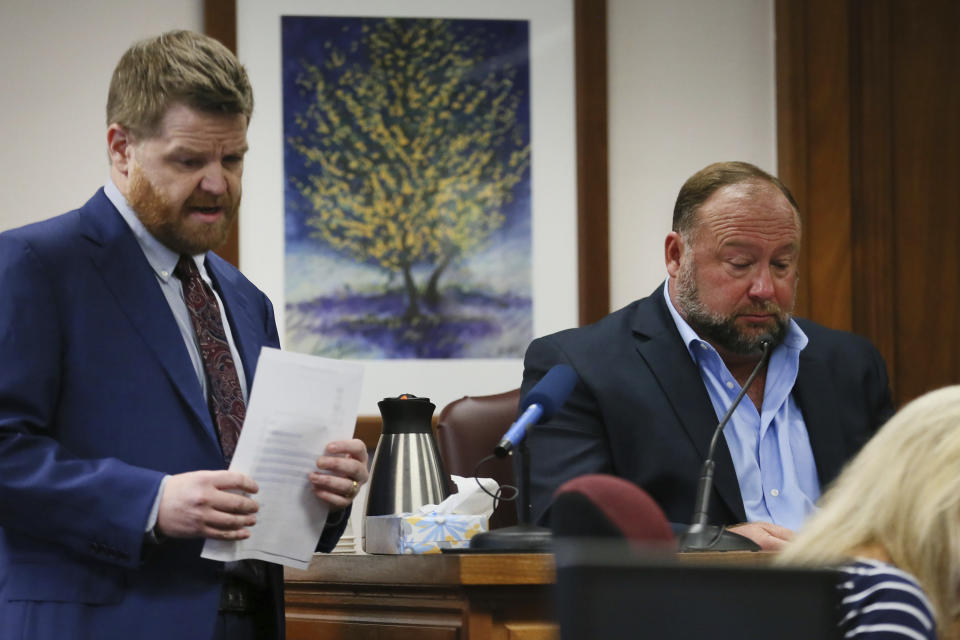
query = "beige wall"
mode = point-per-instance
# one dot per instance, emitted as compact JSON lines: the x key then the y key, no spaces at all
{"x":57,"y":57}
{"x":691,"y":81}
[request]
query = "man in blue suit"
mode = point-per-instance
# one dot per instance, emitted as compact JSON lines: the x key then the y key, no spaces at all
{"x":115,"y":420}
{"x":657,"y":375}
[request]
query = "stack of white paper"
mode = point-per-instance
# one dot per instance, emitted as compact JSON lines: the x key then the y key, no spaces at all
{"x":298,"y":405}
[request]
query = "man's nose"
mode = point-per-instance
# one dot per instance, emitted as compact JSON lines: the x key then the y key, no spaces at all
{"x":213,"y":180}
{"x":761,"y":285}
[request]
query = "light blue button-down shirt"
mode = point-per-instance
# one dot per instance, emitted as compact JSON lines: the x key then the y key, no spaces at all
{"x":770,"y":448}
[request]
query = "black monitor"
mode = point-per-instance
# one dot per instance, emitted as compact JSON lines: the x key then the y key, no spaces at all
{"x":607,"y":591}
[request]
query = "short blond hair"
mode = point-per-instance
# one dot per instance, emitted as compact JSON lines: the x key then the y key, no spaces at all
{"x":902,"y":492}
{"x":177,"y":67}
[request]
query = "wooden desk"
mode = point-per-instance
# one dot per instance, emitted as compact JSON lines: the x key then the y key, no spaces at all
{"x":436,"y":597}
{"x":432,"y":597}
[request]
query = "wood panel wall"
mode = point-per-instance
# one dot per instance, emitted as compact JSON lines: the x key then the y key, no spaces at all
{"x":868,"y":95}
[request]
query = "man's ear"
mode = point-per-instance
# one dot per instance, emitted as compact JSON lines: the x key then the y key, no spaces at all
{"x":673,"y":249}
{"x":120,"y":148}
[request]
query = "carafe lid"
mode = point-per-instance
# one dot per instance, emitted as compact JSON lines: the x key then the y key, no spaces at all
{"x":407,"y":413}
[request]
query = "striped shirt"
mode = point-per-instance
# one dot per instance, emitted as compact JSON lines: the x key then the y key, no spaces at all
{"x":880,"y":602}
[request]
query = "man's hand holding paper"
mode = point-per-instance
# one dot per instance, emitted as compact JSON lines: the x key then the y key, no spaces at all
{"x":340,"y":473}
{"x":296,"y":447}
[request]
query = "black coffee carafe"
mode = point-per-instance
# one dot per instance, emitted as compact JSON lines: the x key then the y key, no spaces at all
{"x":407,"y":471}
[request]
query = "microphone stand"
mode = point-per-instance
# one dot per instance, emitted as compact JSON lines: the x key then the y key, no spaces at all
{"x":702,"y":536}
{"x":522,"y":537}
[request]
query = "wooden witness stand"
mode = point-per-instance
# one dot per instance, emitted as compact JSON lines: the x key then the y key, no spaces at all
{"x":435,"y":597}
{"x":428,"y":597}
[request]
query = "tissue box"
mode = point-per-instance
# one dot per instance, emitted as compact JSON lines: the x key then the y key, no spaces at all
{"x":421,"y":533}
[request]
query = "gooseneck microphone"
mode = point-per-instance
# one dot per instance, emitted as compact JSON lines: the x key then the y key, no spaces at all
{"x":702,"y":536}
{"x":539,"y":405}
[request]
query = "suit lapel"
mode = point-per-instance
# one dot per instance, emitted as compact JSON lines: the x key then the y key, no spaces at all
{"x":660,"y":345}
{"x":817,"y":399}
{"x":128,"y":276}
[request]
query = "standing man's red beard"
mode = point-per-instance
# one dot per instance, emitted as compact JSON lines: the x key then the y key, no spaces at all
{"x":177,"y":229}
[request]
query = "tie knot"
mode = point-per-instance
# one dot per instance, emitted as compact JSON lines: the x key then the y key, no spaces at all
{"x":186,"y":268}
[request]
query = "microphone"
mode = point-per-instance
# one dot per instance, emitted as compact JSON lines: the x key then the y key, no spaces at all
{"x":700,"y":536}
{"x":539,"y":405}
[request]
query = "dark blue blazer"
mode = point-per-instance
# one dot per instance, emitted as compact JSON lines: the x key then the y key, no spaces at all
{"x":641,"y":411}
{"x":98,"y":400}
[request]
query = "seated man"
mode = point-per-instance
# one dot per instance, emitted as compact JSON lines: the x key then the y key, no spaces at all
{"x":657,"y":375}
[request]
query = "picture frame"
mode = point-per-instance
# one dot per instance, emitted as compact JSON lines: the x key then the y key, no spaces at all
{"x":587,"y":236}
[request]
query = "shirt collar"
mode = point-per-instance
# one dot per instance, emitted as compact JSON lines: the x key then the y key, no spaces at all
{"x":795,"y":339}
{"x":161,"y":259}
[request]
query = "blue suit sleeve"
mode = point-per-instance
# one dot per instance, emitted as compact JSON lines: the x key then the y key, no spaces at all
{"x":95,"y":507}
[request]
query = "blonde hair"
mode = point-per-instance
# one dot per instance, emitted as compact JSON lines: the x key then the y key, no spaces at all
{"x":177,"y":67}
{"x":901,"y":492}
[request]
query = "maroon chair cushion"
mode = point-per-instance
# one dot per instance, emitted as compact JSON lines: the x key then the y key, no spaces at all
{"x":600,"y":505}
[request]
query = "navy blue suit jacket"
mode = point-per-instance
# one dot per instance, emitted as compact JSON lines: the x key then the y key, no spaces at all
{"x":640,"y":409}
{"x":98,"y":400}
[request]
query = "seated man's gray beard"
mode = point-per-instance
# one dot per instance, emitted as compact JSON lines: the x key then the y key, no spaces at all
{"x":722,"y":330}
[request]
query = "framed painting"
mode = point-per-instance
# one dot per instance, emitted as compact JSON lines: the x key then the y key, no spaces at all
{"x":425,"y":190}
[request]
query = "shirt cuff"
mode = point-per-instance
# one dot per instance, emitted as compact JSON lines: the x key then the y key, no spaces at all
{"x":150,"y":529}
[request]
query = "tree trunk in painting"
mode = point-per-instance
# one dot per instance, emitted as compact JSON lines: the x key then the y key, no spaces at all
{"x":431,"y":294}
{"x":413,"y":306}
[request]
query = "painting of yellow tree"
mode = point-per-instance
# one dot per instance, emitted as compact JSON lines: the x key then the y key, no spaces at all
{"x":407,"y":190}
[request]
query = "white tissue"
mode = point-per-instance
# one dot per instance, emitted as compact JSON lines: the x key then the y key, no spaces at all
{"x":470,"y":499}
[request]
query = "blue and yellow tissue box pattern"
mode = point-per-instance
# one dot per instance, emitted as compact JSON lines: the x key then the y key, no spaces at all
{"x":421,"y":533}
